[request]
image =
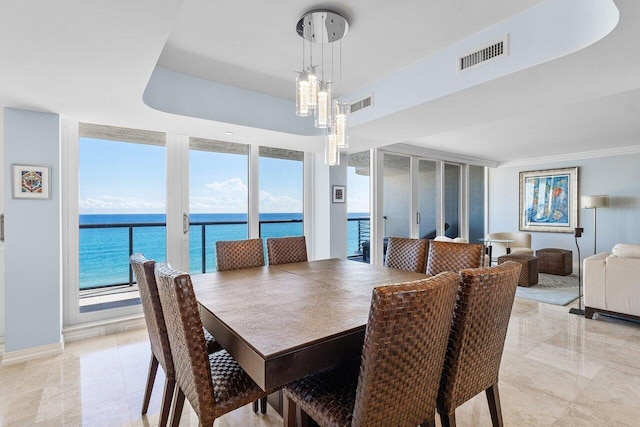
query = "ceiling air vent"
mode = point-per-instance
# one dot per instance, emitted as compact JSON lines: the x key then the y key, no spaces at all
{"x":486,"y":54}
{"x":363,"y":103}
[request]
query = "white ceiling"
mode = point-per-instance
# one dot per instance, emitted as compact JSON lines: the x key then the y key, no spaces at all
{"x":91,"y":61}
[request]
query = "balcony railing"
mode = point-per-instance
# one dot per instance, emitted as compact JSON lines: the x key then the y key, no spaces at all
{"x":264,"y":232}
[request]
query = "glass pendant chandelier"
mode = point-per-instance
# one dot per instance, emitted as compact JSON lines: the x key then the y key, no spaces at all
{"x":313,"y":94}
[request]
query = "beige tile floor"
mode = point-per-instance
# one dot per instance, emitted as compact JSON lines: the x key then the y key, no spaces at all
{"x":558,"y":369}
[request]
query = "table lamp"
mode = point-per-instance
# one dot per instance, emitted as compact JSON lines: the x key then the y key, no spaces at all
{"x":595,"y":202}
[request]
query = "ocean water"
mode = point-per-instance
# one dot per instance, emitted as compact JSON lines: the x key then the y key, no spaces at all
{"x":104,"y":252}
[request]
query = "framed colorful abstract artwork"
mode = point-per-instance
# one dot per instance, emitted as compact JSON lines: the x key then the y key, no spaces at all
{"x":31,"y":182}
{"x":549,"y":200}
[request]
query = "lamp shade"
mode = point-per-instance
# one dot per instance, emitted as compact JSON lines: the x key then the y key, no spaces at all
{"x":598,"y":201}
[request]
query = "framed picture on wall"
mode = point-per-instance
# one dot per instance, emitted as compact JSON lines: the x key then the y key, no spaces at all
{"x":549,"y":200}
{"x":31,"y":182}
{"x":339,"y":194}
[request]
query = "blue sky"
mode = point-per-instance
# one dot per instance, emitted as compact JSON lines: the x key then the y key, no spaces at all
{"x":119,"y":177}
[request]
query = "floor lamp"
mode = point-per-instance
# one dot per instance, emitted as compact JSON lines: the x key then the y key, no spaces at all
{"x":595,"y":202}
{"x":579,"y":310}
{"x":587,"y":202}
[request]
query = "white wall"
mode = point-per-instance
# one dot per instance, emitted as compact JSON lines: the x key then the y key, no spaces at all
{"x":32,"y":235}
{"x":338,"y":211}
{"x":2,"y":173}
{"x":617,"y":176}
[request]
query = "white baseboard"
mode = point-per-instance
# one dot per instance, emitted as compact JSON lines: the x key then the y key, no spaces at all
{"x":1,"y":347}
{"x":101,"y":328}
{"x":32,"y":353}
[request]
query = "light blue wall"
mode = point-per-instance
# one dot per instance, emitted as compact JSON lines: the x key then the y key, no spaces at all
{"x":32,"y":235}
{"x":617,"y":176}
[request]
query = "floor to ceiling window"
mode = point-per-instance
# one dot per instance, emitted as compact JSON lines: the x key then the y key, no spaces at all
{"x":476,"y":203}
{"x":428,"y":198}
{"x":452,"y":199}
{"x":218,"y":198}
{"x":396,"y":195}
{"x":281,"y":192}
{"x":358,"y":217}
{"x":121,"y":211}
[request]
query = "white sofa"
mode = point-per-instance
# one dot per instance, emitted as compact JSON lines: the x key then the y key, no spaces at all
{"x":612,"y":282}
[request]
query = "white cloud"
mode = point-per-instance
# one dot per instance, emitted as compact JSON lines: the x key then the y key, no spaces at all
{"x":270,"y":203}
{"x":229,"y":196}
{"x":112,"y":204}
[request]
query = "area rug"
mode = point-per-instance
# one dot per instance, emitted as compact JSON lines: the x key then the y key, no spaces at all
{"x":551,"y":289}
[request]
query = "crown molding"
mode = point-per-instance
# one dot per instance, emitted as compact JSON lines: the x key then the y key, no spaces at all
{"x":607,"y":152}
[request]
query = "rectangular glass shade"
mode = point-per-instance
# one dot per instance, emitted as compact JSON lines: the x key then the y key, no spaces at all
{"x":323,"y":108}
{"x":312,"y":78}
{"x":332,"y":157}
{"x":302,"y":95}
{"x":340,"y":111}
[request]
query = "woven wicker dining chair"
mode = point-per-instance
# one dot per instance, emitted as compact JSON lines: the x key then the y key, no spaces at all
{"x":406,"y":254}
{"x":237,"y":254}
{"x":395,"y":382}
{"x":213,"y":383}
{"x":476,"y":342}
{"x":450,"y":256}
{"x":160,"y":348}
{"x":285,"y":250}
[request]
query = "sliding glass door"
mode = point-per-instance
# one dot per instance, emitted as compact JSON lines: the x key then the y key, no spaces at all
{"x":427,"y":199}
{"x":121,"y":210}
{"x":452,"y":200}
{"x":396,"y":195}
{"x":218,"y":198}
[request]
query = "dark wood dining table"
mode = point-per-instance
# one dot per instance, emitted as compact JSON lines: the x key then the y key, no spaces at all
{"x":284,"y":322}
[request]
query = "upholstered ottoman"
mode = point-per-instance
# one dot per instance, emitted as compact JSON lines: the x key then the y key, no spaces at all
{"x":555,"y":261}
{"x":529,"y":272}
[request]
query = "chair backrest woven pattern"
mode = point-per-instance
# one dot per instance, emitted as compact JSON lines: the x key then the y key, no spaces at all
{"x":186,"y":336}
{"x":406,"y":254}
{"x":404,"y":349}
{"x":152,"y":309}
{"x":450,"y":256}
{"x":478,"y":332}
{"x":237,"y":254}
{"x":284,"y":250}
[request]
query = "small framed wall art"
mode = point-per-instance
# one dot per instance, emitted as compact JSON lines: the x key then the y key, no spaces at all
{"x":339,"y":193}
{"x":31,"y":182}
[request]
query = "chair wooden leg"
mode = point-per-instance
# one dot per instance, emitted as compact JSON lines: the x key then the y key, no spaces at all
{"x":176,"y":407}
{"x":151,"y":377}
{"x":255,"y":406}
{"x":493,"y":397}
{"x":448,"y":420}
{"x":167,"y":397}
{"x":306,"y":420}
{"x":288,"y":412}
{"x":429,"y":423}
{"x":263,"y":405}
